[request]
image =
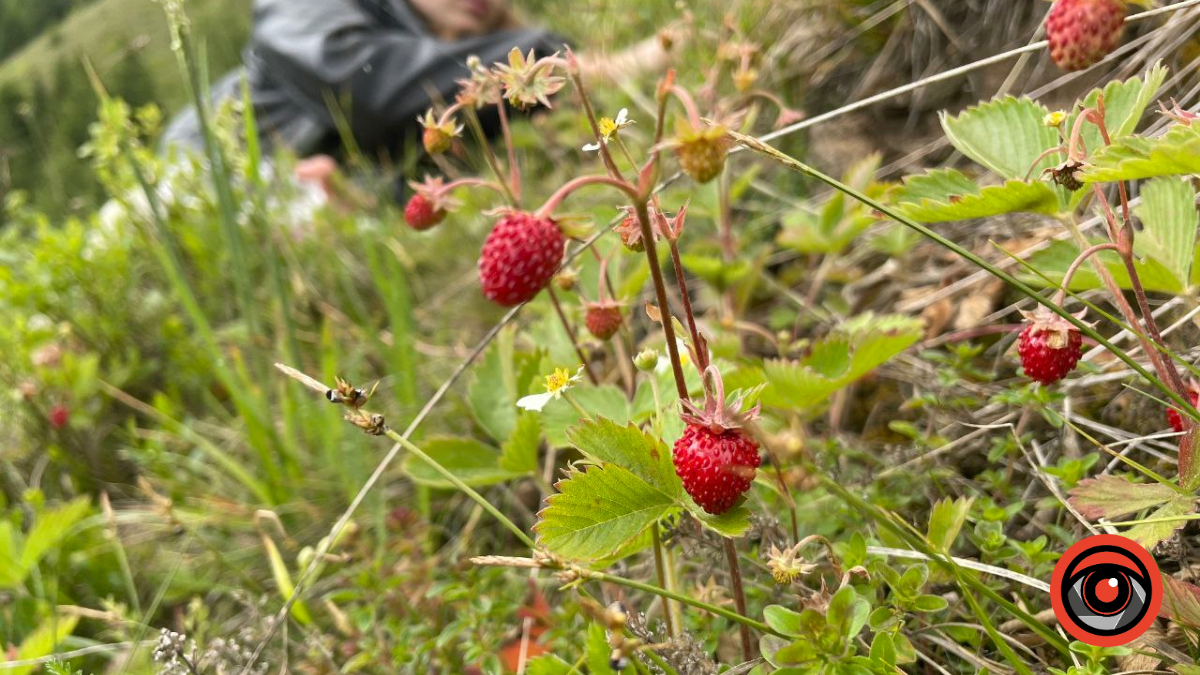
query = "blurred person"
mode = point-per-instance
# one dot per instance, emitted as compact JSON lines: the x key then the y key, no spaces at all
{"x":386,"y":61}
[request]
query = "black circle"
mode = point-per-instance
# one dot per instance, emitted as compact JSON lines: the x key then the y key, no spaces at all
{"x":1100,"y":574}
{"x":1070,"y":579}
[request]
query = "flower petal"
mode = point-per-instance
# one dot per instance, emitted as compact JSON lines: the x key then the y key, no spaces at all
{"x":535,"y":402}
{"x":591,"y":147}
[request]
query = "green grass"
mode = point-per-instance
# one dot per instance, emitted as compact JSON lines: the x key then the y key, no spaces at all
{"x":105,"y":31}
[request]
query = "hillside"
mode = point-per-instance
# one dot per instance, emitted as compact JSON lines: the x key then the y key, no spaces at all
{"x":107,"y":31}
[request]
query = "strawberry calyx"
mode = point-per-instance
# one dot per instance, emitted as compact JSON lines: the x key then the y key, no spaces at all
{"x":718,"y":415}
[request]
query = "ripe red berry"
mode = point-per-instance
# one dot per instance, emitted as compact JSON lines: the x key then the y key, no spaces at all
{"x":716,"y":468}
{"x":59,"y":416}
{"x":1173,"y":416}
{"x":1049,"y":347}
{"x":420,"y":213}
{"x":603,"y":320}
{"x":1081,"y":32}
{"x":519,"y":258}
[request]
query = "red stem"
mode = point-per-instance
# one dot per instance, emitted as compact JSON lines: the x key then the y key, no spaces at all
{"x":557,"y":198}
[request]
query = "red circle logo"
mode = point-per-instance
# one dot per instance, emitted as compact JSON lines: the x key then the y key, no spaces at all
{"x":1106,"y":590}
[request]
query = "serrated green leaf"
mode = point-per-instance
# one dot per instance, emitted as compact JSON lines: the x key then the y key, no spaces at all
{"x":946,"y":520}
{"x":51,"y":527}
{"x":1176,"y":152}
{"x":548,"y":664}
{"x":733,"y":523}
{"x":493,"y":393}
{"x":630,"y":448}
{"x":1169,"y":221}
{"x":1005,"y":135}
{"x":598,"y":511}
{"x":519,"y":454}
{"x":1124,"y":104}
{"x":1181,"y":602}
{"x":1112,"y":496}
{"x":473,"y":462}
{"x":43,"y":641}
{"x":946,"y":195}
{"x":1054,"y":261}
{"x":603,"y":401}
{"x":1151,"y":534}
{"x":868,"y":341}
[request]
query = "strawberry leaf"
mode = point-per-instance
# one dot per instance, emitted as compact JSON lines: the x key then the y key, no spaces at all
{"x":1006,"y":135}
{"x":1110,"y":496}
{"x":947,"y":195}
{"x":1169,"y":220}
{"x":519,"y":454}
{"x":1124,"y":104}
{"x":1176,"y":152}
{"x":860,"y":346}
{"x":1150,"y":534}
{"x":598,"y":511}
{"x":631,"y":448}
{"x":1181,"y":602}
{"x":473,"y":462}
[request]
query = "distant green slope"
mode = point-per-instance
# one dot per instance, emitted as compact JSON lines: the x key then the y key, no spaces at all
{"x":107,"y":30}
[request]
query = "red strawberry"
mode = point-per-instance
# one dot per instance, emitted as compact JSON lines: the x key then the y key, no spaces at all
{"x":519,"y":257}
{"x":421,"y":214}
{"x":59,"y":416}
{"x":714,"y":458}
{"x":603,"y":319}
{"x":1049,"y":347}
{"x":1081,"y":32}
{"x":716,"y":467}
{"x":1173,"y":416}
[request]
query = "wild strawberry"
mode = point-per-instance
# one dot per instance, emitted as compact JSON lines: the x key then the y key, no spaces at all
{"x":630,"y":232}
{"x":519,"y":257}
{"x":714,"y":458}
{"x":430,"y":203}
{"x":701,"y":152}
{"x":1173,"y":416}
{"x":1050,"y":346}
{"x":1081,"y":32}
{"x":437,"y":137}
{"x":603,"y":319}
{"x":59,"y":416}
{"x":420,"y":213}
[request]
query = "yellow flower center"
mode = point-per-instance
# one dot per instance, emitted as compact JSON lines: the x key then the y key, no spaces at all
{"x":558,"y":380}
{"x":608,"y":127}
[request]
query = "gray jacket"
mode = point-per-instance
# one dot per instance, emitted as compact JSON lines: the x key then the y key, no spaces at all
{"x":377,"y":56}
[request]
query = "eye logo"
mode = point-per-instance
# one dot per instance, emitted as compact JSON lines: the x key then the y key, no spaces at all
{"x":1106,"y":590}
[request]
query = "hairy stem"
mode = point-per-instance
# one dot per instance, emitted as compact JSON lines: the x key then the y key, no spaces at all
{"x":583,"y":359}
{"x":739,"y":597}
{"x":489,"y":156}
{"x":660,"y":290}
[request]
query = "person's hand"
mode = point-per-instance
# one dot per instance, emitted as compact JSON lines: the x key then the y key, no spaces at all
{"x":317,"y":170}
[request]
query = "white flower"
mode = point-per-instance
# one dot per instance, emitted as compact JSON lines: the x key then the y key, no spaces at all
{"x":664,"y":360}
{"x":556,"y":383}
{"x":609,"y":128}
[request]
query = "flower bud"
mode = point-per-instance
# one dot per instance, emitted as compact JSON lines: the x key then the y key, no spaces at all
{"x":646,"y":360}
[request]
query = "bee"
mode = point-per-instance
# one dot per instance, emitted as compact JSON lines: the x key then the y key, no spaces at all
{"x":343,"y":393}
{"x":614,"y":618}
{"x":372,"y":423}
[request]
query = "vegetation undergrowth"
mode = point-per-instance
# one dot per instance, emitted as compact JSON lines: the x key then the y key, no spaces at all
{"x":682,"y":415}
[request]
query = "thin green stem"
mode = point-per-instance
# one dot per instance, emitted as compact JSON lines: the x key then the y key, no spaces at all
{"x":740,"y":619}
{"x":562,"y":316}
{"x":461,"y":486}
{"x":488,"y":155}
{"x":756,"y":145}
{"x":660,"y":570}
